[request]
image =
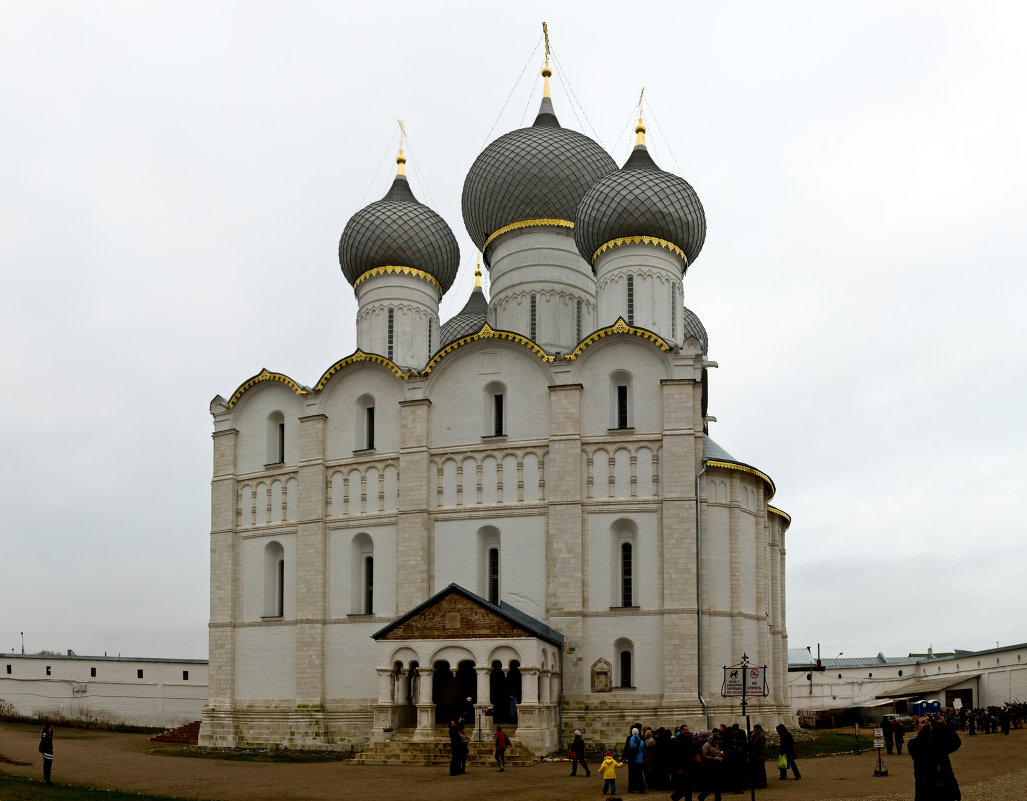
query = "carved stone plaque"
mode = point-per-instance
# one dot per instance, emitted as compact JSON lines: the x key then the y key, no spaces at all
{"x":602,"y":676}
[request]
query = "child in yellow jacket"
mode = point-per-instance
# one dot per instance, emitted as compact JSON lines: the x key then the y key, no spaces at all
{"x":608,"y":770}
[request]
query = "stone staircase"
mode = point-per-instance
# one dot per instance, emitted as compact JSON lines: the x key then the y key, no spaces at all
{"x":403,"y":750}
{"x":189,"y":734}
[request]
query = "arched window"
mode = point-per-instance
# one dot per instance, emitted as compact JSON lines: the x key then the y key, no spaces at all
{"x":365,"y":423}
{"x":631,"y":300}
{"x":489,"y":563}
{"x":495,"y":409}
{"x":274,"y":580}
{"x":621,"y":412}
{"x":362,"y":575}
{"x":275,"y":438}
{"x":493,"y":575}
{"x":624,"y":563}
{"x":533,"y":313}
{"x":626,"y":578}
{"x":625,"y":650}
{"x":391,"y":334}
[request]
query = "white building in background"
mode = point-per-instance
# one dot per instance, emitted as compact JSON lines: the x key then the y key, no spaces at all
{"x":115,"y":689}
{"x":880,"y":684}
{"x":524,"y":501}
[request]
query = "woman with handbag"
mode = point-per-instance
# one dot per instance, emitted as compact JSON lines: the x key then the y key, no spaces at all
{"x":577,"y":754}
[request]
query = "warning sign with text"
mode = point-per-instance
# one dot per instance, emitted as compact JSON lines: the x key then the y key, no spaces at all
{"x":748,"y":681}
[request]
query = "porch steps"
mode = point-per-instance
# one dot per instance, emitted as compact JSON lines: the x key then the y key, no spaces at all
{"x":402,"y":750}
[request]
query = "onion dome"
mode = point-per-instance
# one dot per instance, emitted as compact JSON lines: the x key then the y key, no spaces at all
{"x":400,"y":233}
{"x":470,"y":318}
{"x":531,"y":177}
{"x":691,"y":326}
{"x":640,"y":202}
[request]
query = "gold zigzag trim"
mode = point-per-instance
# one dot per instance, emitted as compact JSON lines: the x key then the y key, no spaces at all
{"x":619,"y":327}
{"x":360,"y":356}
{"x":487,"y":332}
{"x":639,"y":240}
{"x":393,"y":268}
{"x":775,"y":511}
{"x":742,"y":469}
{"x":527,"y":224}
{"x":266,"y":375}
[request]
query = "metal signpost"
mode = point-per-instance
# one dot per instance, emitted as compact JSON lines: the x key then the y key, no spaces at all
{"x":743,"y":681}
{"x":880,"y":770}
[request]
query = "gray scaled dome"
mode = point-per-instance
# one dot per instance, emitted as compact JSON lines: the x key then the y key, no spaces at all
{"x":536,"y":173}
{"x":399,"y":231}
{"x":691,"y":326}
{"x":469,"y":319}
{"x":640,"y":199}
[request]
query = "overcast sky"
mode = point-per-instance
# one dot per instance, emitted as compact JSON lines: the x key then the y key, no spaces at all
{"x":174,"y":178}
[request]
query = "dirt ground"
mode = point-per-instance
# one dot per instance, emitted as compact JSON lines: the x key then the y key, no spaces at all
{"x":992,"y":767}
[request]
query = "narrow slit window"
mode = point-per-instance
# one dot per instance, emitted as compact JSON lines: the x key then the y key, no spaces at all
{"x":534,"y":318}
{"x":139,"y":673}
{"x":429,"y":338}
{"x":673,"y":312}
{"x":498,"y":429}
{"x":577,"y":321}
{"x":631,"y":300}
{"x":494,"y":576}
{"x":280,"y":610}
{"x":370,"y":428}
{"x":625,"y":575}
{"x":368,"y":585}
{"x":622,"y":406}
{"x":625,"y":668}
{"x":92,"y":673}
{"x":391,"y":340}
{"x":185,"y":675}
{"x":281,"y":442}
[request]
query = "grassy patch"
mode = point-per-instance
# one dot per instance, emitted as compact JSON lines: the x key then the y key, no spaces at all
{"x":246,"y":754}
{"x":825,"y":742}
{"x":96,"y":724}
{"x":19,"y":788}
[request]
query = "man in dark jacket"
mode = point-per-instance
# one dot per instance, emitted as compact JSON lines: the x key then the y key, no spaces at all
{"x":933,"y":779}
{"x":758,"y":757}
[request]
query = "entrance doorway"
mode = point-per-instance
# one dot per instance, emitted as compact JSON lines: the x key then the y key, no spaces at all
{"x":501,"y":688}
{"x":449,"y":693}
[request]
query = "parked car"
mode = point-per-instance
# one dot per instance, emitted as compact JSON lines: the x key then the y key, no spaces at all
{"x":906,"y":721}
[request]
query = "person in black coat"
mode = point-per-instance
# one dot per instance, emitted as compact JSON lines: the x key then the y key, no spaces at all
{"x":458,"y":749}
{"x":46,"y":749}
{"x":787,"y":748}
{"x":578,"y":747}
{"x":933,"y":779}
{"x":900,"y":734}
{"x":683,"y":767}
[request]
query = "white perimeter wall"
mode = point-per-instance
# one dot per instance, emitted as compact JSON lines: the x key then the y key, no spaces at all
{"x":163,"y":697}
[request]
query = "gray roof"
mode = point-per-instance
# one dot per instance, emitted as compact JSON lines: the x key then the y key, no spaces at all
{"x":640,"y":199}
{"x":923,"y":686}
{"x":691,"y":326}
{"x":711,"y":450}
{"x":467,"y":321}
{"x":532,"y":173}
{"x":399,"y":231}
{"x":533,"y":626}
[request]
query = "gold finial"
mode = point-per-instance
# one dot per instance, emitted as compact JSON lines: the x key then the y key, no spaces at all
{"x":401,"y":160}
{"x":640,"y":128}
{"x":546,"y":72}
{"x":477,"y":274}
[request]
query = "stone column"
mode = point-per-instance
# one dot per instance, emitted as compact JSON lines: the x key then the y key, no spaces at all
{"x":529,"y":685}
{"x":217,"y":728}
{"x":385,"y":685}
{"x":484,"y":692}
{"x":543,"y":687}
{"x":412,"y":552}
{"x":425,"y":708}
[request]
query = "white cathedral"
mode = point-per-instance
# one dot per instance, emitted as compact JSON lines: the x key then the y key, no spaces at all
{"x":521,"y":506}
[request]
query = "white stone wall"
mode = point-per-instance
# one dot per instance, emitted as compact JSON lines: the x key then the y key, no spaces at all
{"x":162,"y":697}
{"x":415,"y":306}
{"x":656,"y":275}
{"x":552,"y":488}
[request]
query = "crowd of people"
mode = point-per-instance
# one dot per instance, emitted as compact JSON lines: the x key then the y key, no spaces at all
{"x":683,"y":762}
